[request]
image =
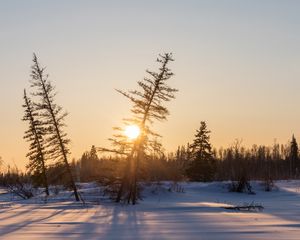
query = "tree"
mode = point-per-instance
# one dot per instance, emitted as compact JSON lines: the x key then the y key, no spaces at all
{"x":89,"y":165}
{"x":202,"y":166}
{"x":52,"y":116}
{"x":293,"y":156}
{"x":35,"y":135}
{"x":147,"y":107}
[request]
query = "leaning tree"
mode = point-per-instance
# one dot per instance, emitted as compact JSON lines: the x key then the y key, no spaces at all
{"x":147,"y":106}
{"x":53,"y":117}
{"x":35,"y":136}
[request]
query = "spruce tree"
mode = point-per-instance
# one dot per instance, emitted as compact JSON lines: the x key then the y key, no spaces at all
{"x":35,"y":135}
{"x":53,"y":116}
{"x":293,"y":157}
{"x":202,"y":166}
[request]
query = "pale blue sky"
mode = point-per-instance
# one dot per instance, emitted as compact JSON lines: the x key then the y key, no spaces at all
{"x":237,"y":66}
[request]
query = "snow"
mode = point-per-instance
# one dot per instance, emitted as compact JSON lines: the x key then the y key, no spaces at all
{"x":196,"y":213}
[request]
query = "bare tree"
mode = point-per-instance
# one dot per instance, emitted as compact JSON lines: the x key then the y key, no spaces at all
{"x":52,"y":115}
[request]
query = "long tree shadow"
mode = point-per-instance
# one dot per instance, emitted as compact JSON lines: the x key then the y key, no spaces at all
{"x":137,"y":222}
{"x":125,"y":223}
{"x":10,"y":228}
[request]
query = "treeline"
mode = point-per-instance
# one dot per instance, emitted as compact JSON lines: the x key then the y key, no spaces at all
{"x":91,"y":167}
{"x":280,"y":161}
{"x":200,"y":162}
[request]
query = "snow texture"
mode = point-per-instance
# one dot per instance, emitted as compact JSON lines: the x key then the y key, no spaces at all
{"x":197,"y":212}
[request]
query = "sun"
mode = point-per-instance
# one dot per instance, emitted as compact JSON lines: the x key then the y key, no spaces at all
{"x":132,"y":131}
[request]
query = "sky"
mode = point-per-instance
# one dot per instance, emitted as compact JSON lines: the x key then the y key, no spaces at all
{"x":236,"y":67}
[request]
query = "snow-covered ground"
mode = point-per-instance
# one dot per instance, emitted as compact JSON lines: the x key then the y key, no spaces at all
{"x":197,"y":213}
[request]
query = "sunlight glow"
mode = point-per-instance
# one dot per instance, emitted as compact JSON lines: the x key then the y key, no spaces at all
{"x":132,"y":131}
